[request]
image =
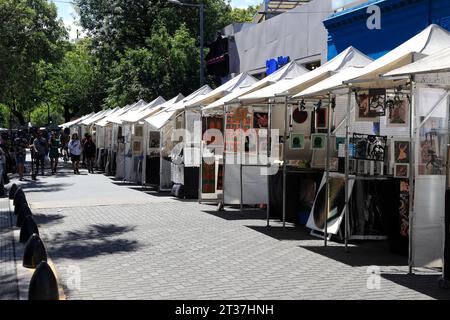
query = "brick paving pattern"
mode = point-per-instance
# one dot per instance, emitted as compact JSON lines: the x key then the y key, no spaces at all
{"x":8,"y":276}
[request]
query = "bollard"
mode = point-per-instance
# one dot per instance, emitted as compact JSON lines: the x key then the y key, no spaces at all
{"x":19,"y":206}
{"x":34,"y":253}
{"x":19,"y":196}
{"x":24,"y":211}
{"x":43,"y":284}
{"x":12,"y":191}
{"x":29,"y":227}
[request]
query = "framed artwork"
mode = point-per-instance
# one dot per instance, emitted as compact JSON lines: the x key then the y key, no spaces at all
{"x":400,"y":151}
{"x":154,"y":139}
{"x":260,"y":120}
{"x":401,"y":170}
{"x":318,"y":141}
{"x":369,"y":147}
{"x":431,"y":154}
{"x":297,"y":141}
{"x":334,"y":164}
{"x":339,"y":141}
{"x":351,"y":166}
{"x":139,"y":131}
{"x":299,"y":116}
{"x":370,"y":105}
{"x":322,"y":118}
{"x":136,"y":146}
{"x":362,"y":170}
{"x":398,"y":113}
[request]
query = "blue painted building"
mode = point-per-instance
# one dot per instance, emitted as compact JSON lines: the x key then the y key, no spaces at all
{"x":400,"y":20}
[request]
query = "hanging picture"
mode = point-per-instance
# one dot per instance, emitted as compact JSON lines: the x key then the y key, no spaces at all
{"x":400,"y":151}
{"x":136,"y":146}
{"x":220,"y":177}
{"x":430,"y":150}
{"x":401,"y":170}
{"x":297,"y":141}
{"x":318,"y":141}
{"x":260,"y":120}
{"x":368,"y":107}
{"x":139,"y":131}
{"x":339,"y":141}
{"x":239,"y":118}
{"x":398,"y":113}
{"x":154,"y":139}
{"x":208,"y":177}
{"x":334,"y":217}
{"x":321,"y":118}
{"x":403,"y":208}
{"x":299,"y":116}
{"x":334,"y":164}
{"x":369,"y":147}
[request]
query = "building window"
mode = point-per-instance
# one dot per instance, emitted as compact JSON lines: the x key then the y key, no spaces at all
{"x":312,"y":65}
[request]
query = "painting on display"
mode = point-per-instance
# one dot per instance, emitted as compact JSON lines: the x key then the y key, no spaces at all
{"x":318,"y":141}
{"x":369,"y":147}
{"x":154,"y":139}
{"x":208,"y":177}
{"x":370,"y":105}
{"x":401,"y":170}
{"x":404,"y":208}
{"x":297,"y":141}
{"x":239,"y":118}
{"x":430,"y":147}
{"x":260,"y":120}
{"x":136,"y":146}
{"x":299,"y":116}
{"x":220,"y":177}
{"x":398,"y":113}
{"x":322,"y":118}
{"x":334,"y":217}
{"x":400,"y":151}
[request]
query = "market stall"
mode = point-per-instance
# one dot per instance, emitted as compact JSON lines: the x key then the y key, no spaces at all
{"x":193,"y":148}
{"x":392,"y":123}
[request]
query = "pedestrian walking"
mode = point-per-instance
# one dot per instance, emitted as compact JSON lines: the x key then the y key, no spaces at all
{"x":2,"y":170}
{"x":75,"y":152}
{"x":90,"y":150}
{"x":54,"y":145}
{"x":20,"y":153}
{"x":83,"y":160}
{"x":64,"y":138}
{"x":40,"y":146}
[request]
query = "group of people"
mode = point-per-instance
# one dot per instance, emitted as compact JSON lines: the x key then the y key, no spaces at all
{"x":51,"y":146}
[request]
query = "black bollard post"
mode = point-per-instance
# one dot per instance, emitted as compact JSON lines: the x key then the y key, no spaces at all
{"x":19,"y":206}
{"x":43,"y":284}
{"x":12,"y":191}
{"x":19,"y":196}
{"x":29,"y":227}
{"x":23,"y":212}
{"x":34,"y":253}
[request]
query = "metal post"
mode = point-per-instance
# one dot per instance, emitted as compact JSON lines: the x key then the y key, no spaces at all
{"x":412,"y":139}
{"x":161,"y":136}
{"x":347,"y":191}
{"x":327,"y":172}
{"x":202,"y":58}
{"x":241,"y":201}
{"x":284,"y":160}
{"x":224,"y":151}
{"x":200,"y":169}
{"x":269,"y":153}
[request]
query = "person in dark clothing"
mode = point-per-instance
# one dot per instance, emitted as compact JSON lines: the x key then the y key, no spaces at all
{"x":83,"y":154}
{"x":40,"y":146}
{"x":89,"y":150}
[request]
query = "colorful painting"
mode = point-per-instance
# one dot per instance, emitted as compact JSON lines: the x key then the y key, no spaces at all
{"x":369,"y":147}
{"x":322,"y":118}
{"x":398,"y":113}
{"x":370,"y":105}
{"x":297,"y":141}
{"x":240,"y":118}
{"x":400,"y":151}
{"x":208,"y":177}
{"x":401,"y":170}
{"x":318,"y":141}
{"x":260,"y":120}
{"x":430,"y":151}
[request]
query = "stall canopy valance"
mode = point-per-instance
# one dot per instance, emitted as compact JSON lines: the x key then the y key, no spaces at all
{"x":241,"y":81}
{"x":290,"y":71}
{"x":76,"y":121}
{"x":145,"y":111}
{"x":105,"y":121}
{"x":98,"y":116}
{"x":350,"y":57}
{"x":438,"y":62}
{"x":158,"y":120}
{"x":135,"y":109}
{"x":194,"y":95}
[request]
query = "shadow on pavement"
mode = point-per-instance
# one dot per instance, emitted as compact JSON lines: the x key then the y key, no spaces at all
{"x":363,"y":254}
{"x":95,"y":241}
{"x":48,"y":219}
{"x":238,"y":215}
{"x":8,"y":287}
{"x":284,"y":234}
{"x":426,"y":284}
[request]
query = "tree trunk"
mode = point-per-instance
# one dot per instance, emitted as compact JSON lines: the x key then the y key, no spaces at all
{"x":20,"y":117}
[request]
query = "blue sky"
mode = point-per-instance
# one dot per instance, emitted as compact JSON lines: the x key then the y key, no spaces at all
{"x":67,"y":13}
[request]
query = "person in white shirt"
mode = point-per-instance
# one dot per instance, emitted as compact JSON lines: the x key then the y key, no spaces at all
{"x":75,"y":150}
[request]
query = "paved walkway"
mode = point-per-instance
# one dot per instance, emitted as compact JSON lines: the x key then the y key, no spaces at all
{"x":8,"y":275}
{"x":110,"y":241}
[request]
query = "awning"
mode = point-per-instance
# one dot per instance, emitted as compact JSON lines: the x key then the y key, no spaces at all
{"x":147,"y":110}
{"x":241,"y":81}
{"x":350,"y":57}
{"x":194,"y":95}
{"x":438,"y":62}
{"x":290,"y":71}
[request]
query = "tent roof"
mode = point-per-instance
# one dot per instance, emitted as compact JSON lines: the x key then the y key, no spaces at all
{"x":240,"y":81}
{"x":145,"y":111}
{"x":350,"y":57}
{"x":431,"y":40}
{"x":103,"y":122}
{"x":135,"y":109}
{"x":323,"y":87}
{"x":200,"y":92}
{"x":438,"y":62}
{"x":289,"y":71}
{"x":158,"y":119}
{"x":98,"y":116}
{"x":76,"y":121}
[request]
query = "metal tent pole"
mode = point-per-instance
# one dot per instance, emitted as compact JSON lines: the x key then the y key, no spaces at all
{"x":327,"y":172}
{"x":411,"y":176}
{"x":347,"y":192}
{"x":269,"y":154}
{"x":224,"y":151}
{"x":200,"y":169}
{"x":284,"y":159}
